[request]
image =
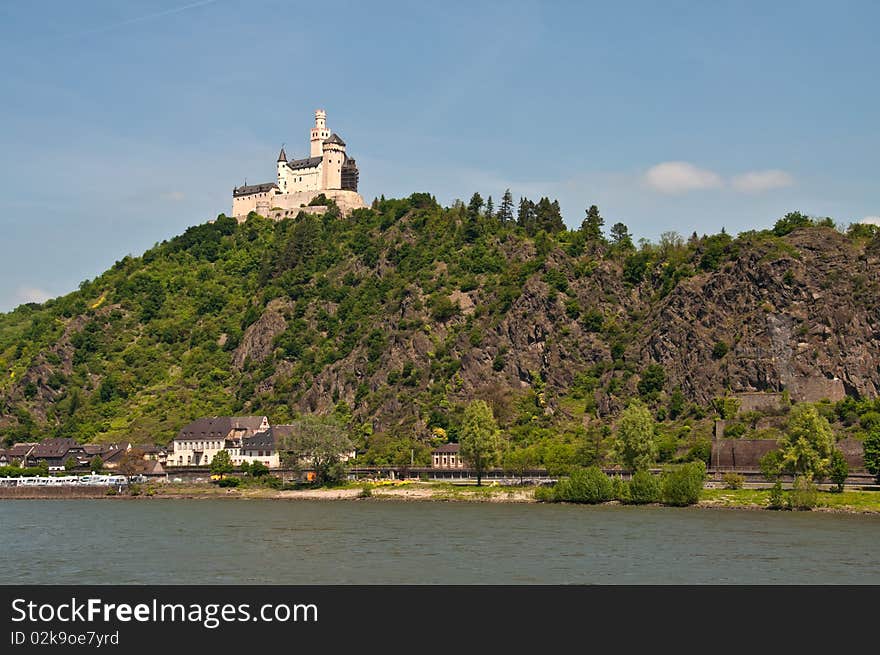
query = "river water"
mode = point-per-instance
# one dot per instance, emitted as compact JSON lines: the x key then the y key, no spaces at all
{"x":371,"y":542}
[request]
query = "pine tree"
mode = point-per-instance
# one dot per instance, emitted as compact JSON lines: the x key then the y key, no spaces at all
{"x":548,"y":216}
{"x":621,"y":237}
{"x":490,"y":207}
{"x":525,"y":217}
{"x":505,"y":210}
{"x":592,"y":225}
{"x":475,"y":206}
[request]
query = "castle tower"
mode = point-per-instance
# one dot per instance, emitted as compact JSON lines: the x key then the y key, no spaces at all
{"x":319,"y":133}
{"x":334,"y":158}
{"x":282,"y":171}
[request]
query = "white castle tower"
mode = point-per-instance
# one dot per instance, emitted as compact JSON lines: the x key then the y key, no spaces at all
{"x":319,"y":133}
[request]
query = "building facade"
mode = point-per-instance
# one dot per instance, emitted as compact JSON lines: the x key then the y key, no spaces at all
{"x":447,"y":456}
{"x":198,"y":442}
{"x":327,"y":170}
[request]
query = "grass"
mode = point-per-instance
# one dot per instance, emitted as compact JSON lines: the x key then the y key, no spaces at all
{"x":849,"y":501}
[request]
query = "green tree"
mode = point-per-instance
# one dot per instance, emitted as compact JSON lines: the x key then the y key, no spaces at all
{"x":620,"y":237}
{"x":479,"y":437}
{"x":505,"y":209}
{"x":518,"y":461}
{"x":70,"y":463}
{"x":548,"y":216}
{"x":806,"y":447}
{"x":221,"y":463}
{"x":636,"y":443}
{"x":790,"y":222}
{"x":258,"y":470}
{"x":871,"y":447}
{"x":319,"y":443}
{"x":838,"y":469}
{"x":490,"y":208}
{"x":676,"y":404}
{"x":525,"y":216}
{"x":591,"y":227}
{"x":653,"y":379}
{"x":97,"y":464}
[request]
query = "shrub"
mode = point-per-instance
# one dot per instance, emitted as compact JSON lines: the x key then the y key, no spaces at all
{"x":777,"y":497}
{"x":228,"y":482}
{"x":365,"y":492}
{"x":644,"y":488}
{"x":733,"y":480}
{"x":589,"y":485}
{"x":804,"y":494}
{"x":621,"y":490}
{"x":838,"y":470}
{"x":681,"y":485}
{"x":545,"y":494}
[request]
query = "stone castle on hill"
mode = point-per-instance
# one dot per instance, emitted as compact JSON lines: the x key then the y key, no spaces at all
{"x":327,"y":170}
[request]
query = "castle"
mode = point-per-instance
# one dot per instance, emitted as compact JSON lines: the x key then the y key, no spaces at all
{"x":327,"y":170}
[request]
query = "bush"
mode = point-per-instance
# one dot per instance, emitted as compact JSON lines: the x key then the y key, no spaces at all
{"x":620,"y":488}
{"x":838,"y":471}
{"x":682,"y":485}
{"x":804,"y":494}
{"x":545,"y":494}
{"x":589,"y":485}
{"x":644,"y":488}
{"x":228,"y":482}
{"x":777,"y":497}
{"x":733,"y":480}
{"x":365,"y":492}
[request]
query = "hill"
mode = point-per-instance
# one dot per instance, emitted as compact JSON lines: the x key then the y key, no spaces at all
{"x":395,"y":316}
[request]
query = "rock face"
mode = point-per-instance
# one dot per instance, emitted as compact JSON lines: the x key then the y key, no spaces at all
{"x":805,"y":320}
{"x":258,"y":339}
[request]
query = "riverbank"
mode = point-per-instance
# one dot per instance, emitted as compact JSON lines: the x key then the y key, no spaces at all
{"x":850,"y":501}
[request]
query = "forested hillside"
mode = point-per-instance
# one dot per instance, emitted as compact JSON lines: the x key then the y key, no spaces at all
{"x":395,"y":316}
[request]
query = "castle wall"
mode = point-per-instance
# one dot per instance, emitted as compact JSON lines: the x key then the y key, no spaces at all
{"x":346,"y":200}
{"x":306,"y":179}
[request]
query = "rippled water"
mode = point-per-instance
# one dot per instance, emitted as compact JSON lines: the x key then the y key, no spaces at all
{"x":304,"y":542}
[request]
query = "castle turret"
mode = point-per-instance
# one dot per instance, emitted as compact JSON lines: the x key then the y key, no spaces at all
{"x":319,"y":133}
{"x":282,"y":171}
{"x":334,"y":158}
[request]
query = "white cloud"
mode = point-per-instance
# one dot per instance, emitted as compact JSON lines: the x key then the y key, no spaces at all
{"x":675,"y":177}
{"x":758,"y":181}
{"x":173,"y":196}
{"x":32,"y":294}
{"x":873,"y":220}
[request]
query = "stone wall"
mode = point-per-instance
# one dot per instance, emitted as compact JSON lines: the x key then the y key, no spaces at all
{"x":740,"y":453}
{"x":347,"y":201}
{"x":756,"y":401}
{"x":29,"y":493}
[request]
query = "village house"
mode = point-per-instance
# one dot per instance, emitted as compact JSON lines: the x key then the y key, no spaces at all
{"x":198,"y":442}
{"x":56,"y":451}
{"x":261,"y":447}
{"x":447,"y":456}
{"x":19,"y":453}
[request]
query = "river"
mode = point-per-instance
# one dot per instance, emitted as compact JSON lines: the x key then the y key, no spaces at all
{"x":370,"y":542}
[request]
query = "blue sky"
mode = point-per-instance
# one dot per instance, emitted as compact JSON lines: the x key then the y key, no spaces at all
{"x":126,"y":122}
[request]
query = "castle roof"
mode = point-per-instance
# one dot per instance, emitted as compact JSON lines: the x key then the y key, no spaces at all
{"x":334,"y":138}
{"x":282,"y":156}
{"x":310,"y":162}
{"x":247,"y":190}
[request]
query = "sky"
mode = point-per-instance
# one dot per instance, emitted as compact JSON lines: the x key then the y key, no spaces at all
{"x":123,"y":123}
